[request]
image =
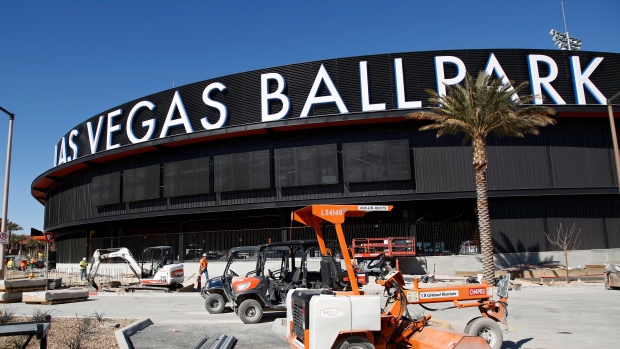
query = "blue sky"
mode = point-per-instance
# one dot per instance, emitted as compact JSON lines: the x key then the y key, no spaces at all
{"x":62,"y":62}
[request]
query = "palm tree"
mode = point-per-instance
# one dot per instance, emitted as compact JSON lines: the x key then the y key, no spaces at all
{"x":17,"y":240}
{"x":482,"y":106}
{"x":11,"y":226}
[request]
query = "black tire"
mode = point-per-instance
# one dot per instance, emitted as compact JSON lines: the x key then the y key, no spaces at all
{"x":356,"y":342}
{"x":488,"y":329}
{"x":250,"y":311}
{"x":215,"y":303}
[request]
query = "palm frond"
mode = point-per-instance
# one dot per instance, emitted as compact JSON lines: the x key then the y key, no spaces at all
{"x":483,"y":105}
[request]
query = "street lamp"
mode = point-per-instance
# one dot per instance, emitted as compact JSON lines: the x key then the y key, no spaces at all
{"x":614,"y":138}
{"x":5,"y":199}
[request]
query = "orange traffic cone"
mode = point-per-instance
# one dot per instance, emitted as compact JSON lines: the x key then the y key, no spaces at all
{"x":198,"y":280}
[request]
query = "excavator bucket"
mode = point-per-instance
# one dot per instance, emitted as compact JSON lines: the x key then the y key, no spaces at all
{"x":429,"y":337}
{"x":91,"y":285}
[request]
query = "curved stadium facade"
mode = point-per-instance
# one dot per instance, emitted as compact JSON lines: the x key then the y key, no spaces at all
{"x":223,"y":162}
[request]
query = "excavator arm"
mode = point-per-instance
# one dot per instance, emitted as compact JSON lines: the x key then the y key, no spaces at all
{"x":104,"y":254}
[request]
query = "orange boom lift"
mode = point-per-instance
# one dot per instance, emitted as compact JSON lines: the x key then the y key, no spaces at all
{"x":322,"y":319}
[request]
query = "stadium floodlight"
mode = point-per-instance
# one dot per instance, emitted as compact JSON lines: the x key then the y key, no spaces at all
{"x":564,"y":42}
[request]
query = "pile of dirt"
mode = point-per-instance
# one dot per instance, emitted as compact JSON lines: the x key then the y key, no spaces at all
{"x":72,"y":332}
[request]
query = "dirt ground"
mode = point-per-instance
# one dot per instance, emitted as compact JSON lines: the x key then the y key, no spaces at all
{"x":72,"y":333}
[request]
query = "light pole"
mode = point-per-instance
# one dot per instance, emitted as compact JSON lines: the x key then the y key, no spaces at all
{"x":562,"y":40}
{"x":5,"y":199}
{"x":614,"y":138}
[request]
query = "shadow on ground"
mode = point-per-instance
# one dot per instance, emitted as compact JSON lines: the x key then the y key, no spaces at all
{"x":515,"y":345}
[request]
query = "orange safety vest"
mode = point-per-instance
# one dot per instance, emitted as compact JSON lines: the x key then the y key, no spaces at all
{"x":23,"y":263}
{"x":203,"y":264}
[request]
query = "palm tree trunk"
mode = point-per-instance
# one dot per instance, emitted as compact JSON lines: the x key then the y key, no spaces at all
{"x":479,"y":148}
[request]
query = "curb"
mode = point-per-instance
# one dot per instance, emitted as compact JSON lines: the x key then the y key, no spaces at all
{"x":122,"y":335}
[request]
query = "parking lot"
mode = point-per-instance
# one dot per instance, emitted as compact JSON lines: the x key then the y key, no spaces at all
{"x":584,"y":316}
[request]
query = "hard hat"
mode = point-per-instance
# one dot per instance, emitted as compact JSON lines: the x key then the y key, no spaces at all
{"x":84,"y":258}
{"x":204,"y":254}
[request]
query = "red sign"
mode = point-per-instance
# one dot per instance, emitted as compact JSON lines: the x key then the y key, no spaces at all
{"x":477,"y":292}
{"x":49,"y":236}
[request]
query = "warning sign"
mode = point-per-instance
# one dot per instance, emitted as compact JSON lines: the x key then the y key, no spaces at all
{"x":439,"y":294}
{"x":4,"y":238}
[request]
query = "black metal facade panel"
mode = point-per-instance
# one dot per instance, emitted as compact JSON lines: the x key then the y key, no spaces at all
{"x":71,"y":248}
{"x":376,"y":161}
{"x":310,"y":193}
{"x":141,"y":183}
{"x":517,"y":226}
{"x":187,"y":177}
{"x":518,"y":167}
{"x":581,"y":156}
{"x":243,"y":100}
{"x":106,"y":189}
{"x":575,"y":167}
{"x":611,"y":214}
{"x":242,"y":171}
{"x":586,"y":216}
{"x":443,"y":169}
{"x":247,"y":197}
{"x":147,"y":206}
{"x":379,"y":189}
{"x":305,"y":166}
{"x":189,"y":202}
{"x":75,"y":194}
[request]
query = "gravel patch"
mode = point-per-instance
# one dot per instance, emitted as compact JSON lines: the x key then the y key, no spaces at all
{"x":72,"y":333}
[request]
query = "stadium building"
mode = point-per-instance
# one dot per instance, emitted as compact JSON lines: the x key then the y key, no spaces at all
{"x":223,"y":162}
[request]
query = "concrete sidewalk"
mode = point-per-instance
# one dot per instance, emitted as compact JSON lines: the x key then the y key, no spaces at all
{"x":573,"y":316}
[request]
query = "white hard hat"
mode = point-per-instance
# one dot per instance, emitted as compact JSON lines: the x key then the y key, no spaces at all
{"x":204,"y":254}
{"x":84,"y":258}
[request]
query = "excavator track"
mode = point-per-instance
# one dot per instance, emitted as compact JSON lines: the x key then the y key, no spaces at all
{"x":144,"y":288}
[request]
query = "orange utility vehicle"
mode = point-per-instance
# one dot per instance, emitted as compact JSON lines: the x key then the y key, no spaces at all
{"x":323,"y":319}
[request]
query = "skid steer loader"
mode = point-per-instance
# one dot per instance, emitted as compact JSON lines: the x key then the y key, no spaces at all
{"x":324,"y":319}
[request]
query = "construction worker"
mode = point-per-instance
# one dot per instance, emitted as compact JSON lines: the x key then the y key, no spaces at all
{"x":202,"y":269}
{"x":33,"y":263}
{"x":23,"y":265}
{"x":83,"y":265}
{"x":10,"y":264}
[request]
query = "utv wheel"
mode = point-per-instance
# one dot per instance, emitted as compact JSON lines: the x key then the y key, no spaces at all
{"x":488,"y":329}
{"x":250,"y":311}
{"x":214,"y":303}
{"x":356,"y":342}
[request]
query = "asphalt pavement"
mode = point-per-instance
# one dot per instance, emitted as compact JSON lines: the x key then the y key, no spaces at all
{"x":538,"y":317}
